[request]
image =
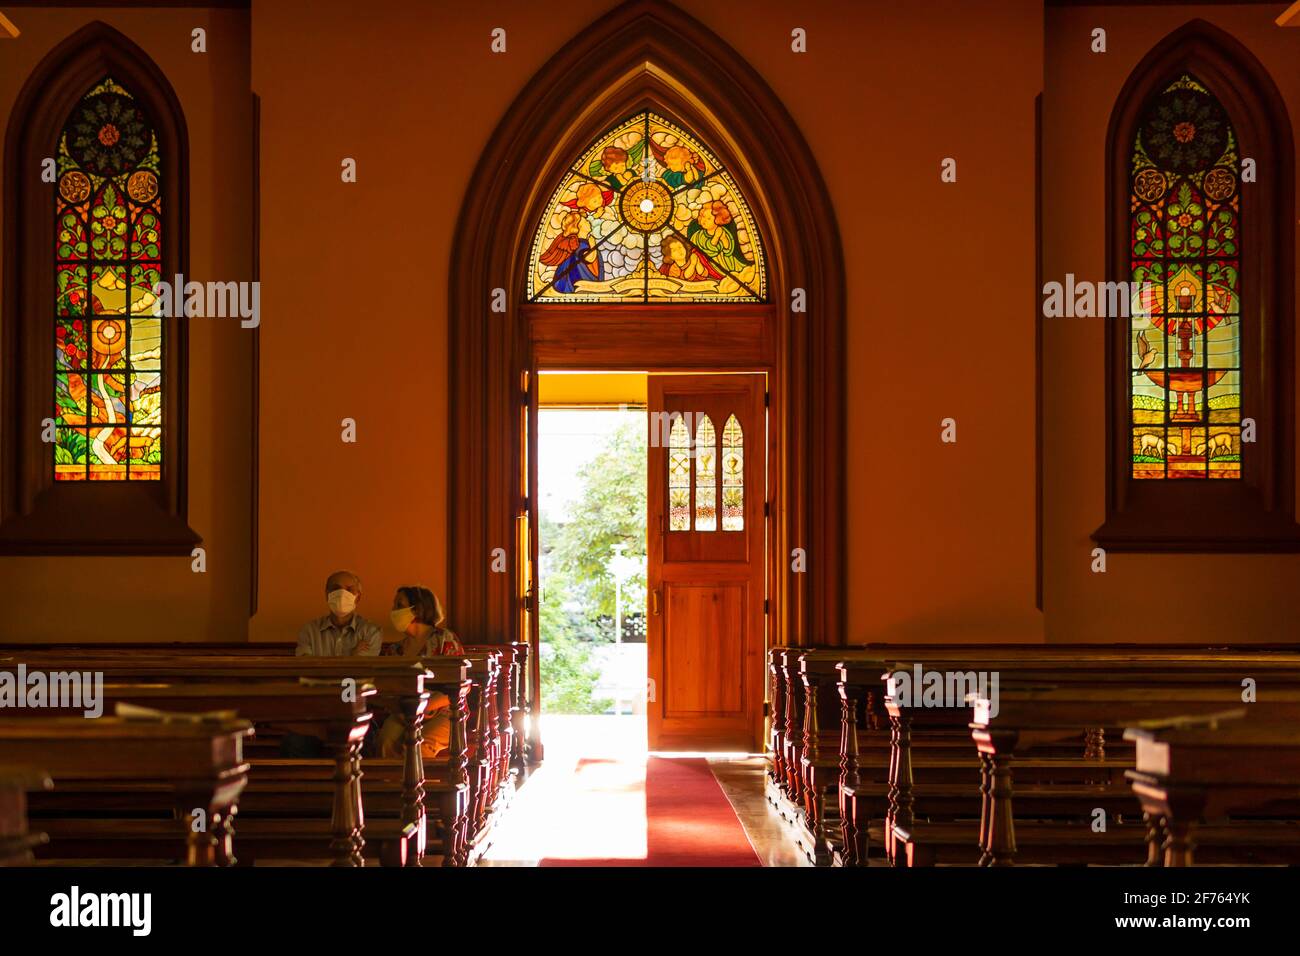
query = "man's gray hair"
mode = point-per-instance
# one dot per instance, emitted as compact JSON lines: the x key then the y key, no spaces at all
{"x":351,"y":574}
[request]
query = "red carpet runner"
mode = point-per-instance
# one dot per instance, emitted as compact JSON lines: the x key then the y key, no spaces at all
{"x":689,"y":821}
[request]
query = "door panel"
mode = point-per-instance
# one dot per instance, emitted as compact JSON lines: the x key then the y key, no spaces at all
{"x":705,"y":496}
{"x":708,"y":628}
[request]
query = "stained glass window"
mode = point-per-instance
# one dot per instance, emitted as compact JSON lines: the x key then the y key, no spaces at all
{"x":1185,"y":216}
{"x":679,"y":476}
{"x":733,"y":476}
{"x":647,"y":213}
{"x":706,"y":476}
{"x":108,"y":258}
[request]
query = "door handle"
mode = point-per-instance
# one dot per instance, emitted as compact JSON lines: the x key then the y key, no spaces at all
{"x":654,"y":602}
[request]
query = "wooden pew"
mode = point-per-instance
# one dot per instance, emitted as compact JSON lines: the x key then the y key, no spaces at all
{"x":17,"y":840}
{"x":1192,"y":771}
{"x":859,"y":680}
{"x":1155,"y":675}
{"x":515,"y":661}
{"x":401,"y":683}
{"x":1031,"y":718}
{"x":317,"y":707}
{"x":797,"y":757}
{"x":499,"y":748}
{"x":199,"y":764}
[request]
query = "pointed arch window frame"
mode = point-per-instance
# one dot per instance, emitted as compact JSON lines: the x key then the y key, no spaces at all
{"x":39,"y":515}
{"x":1255,"y":513}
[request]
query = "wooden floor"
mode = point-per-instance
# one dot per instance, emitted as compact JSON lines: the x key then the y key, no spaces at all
{"x":585,"y":801}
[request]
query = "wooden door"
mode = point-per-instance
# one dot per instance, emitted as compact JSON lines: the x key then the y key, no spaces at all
{"x":706,"y":526}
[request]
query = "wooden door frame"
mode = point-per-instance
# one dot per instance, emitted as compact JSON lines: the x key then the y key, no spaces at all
{"x":645,"y":53}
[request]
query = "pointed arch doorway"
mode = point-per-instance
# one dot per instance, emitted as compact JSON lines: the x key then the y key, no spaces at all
{"x":645,"y":56}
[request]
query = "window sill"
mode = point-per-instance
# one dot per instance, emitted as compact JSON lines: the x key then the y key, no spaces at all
{"x":98,"y":520}
{"x":1259,"y":533}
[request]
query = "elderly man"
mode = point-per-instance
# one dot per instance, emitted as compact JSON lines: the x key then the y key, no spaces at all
{"x":342,"y":632}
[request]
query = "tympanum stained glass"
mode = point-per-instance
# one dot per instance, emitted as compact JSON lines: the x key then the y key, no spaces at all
{"x":647,"y":213}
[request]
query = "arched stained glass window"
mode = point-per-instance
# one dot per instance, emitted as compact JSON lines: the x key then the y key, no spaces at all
{"x":108,"y":257}
{"x":1185,"y":216}
{"x":647,"y":213}
{"x":679,"y":476}
{"x":733,"y":476}
{"x":706,"y":476}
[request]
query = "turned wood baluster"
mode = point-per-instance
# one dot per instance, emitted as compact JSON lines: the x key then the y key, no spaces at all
{"x":1179,"y":842}
{"x":1002,"y":828}
{"x":505,"y":719}
{"x":1155,"y":824}
{"x":892,"y":801}
{"x":793,"y":738}
{"x":849,"y":777}
{"x":778,"y":722}
{"x":343,"y":822}
{"x":455,"y":813}
{"x":900,"y":790}
{"x":986,"y":808}
{"x":811,"y":754}
{"x":200,"y":841}
{"x":358,"y":808}
{"x":223,"y":832}
{"x":413,"y":773}
{"x":482,"y":757}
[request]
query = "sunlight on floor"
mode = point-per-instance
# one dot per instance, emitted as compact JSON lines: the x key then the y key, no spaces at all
{"x":588,"y":800}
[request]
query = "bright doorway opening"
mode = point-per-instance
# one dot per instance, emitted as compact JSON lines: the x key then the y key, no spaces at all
{"x":591,"y":477}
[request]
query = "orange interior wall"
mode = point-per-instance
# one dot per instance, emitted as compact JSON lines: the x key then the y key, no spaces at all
{"x":939,"y":280}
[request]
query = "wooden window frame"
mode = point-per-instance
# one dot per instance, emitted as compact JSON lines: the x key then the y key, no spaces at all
{"x":1254,"y":513}
{"x":37,"y":514}
{"x":645,"y":55}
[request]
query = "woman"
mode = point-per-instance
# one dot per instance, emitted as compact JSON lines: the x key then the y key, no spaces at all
{"x":418,"y":617}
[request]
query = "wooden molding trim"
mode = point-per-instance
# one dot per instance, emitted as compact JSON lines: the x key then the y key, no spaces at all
{"x":646,"y":53}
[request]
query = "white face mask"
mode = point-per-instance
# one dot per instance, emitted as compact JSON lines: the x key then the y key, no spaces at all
{"x":402,"y":619}
{"x":341,"y":601}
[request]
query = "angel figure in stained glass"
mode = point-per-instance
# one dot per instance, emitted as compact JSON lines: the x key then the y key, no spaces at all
{"x":683,"y":263}
{"x":572,"y":254}
{"x":682,"y":165}
{"x":590,"y":199}
{"x":714,"y":231}
{"x":614,"y":162}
